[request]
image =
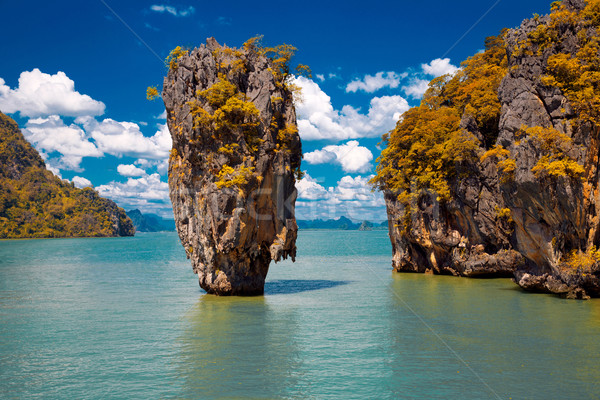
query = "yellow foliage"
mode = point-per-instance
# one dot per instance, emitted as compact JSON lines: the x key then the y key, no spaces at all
{"x":474,"y":88}
{"x":174,"y":56}
{"x":229,"y":148}
{"x":284,"y":135}
{"x":231,"y":111}
{"x":218,"y":94}
{"x":555,"y":145}
{"x":577,"y":75}
{"x":423,"y":150}
{"x":504,"y":213}
{"x":561,"y":167}
{"x":228,"y":176}
{"x":152,"y":93}
{"x":506,"y":165}
{"x":253,"y":44}
{"x":498,"y":152}
{"x":427,"y":147}
{"x":507,"y":169}
{"x":582,"y":262}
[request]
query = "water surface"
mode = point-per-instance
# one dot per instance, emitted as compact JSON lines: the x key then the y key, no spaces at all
{"x":125,"y":318}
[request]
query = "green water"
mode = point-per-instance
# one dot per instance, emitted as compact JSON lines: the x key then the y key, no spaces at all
{"x":124,"y":319}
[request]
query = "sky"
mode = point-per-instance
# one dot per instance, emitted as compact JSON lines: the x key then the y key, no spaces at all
{"x":74,"y":76}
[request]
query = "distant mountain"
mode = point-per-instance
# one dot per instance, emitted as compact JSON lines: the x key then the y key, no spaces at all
{"x":34,"y":203}
{"x":150,"y":222}
{"x":342,"y":223}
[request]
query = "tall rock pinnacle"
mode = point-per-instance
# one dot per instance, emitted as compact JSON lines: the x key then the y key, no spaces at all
{"x":235,"y":158}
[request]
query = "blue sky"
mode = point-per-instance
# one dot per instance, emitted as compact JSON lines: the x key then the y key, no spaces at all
{"x":74,"y":75}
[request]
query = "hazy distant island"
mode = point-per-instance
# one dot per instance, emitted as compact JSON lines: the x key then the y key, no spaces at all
{"x":147,"y":222}
{"x":150,"y":222}
{"x":34,"y":203}
{"x":342,"y":223}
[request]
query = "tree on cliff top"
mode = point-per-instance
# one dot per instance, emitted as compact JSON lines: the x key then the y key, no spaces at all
{"x":428,"y":145}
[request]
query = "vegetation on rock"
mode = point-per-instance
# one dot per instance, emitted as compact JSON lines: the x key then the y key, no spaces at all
{"x":34,"y":203}
{"x":235,"y":159}
{"x":223,"y":111}
{"x":509,"y":146}
{"x":428,"y":146}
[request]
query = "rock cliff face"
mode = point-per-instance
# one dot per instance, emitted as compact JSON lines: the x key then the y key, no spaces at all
{"x":236,"y":153}
{"x":527,"y":206}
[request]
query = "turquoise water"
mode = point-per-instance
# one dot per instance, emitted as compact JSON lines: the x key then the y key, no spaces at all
{"x":125,"y":319}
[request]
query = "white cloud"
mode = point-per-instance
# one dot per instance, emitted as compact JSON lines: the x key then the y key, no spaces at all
{"x":372,"y":83}
{"x":317,"y":119}
{"x":53,"y":169}
{"x":352,"y":197}
{"x":148,"y":193}
{"x":184,"y":12}
{"x":439,"y":67}
{"x":130,"y":170}
{"x":321,"y":77}
{"x":81,"y":182}
{"x":65,"y":145}
{"x":308,"y":188}
{"x":40,"y":94}
{"x":357,"y":188}
{"x":126,"y":139}
{"x":417,"y":88}
{"x":352,"y":157}
{"x":162,"y":166}
{"x":162,"y":115}
{"x":50,"y":135}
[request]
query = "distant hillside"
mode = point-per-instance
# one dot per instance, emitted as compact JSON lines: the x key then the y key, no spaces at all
{"x":341,"y":223}
{"x":150,"y":222}
{"x":34,"y":203}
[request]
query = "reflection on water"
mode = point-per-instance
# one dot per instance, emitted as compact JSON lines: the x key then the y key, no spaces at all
{"x":103,"y":318}
{"x":234,"y":347}
{"x":502,"y":335}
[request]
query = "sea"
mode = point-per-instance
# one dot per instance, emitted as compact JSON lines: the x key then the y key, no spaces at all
{"x":124,"y":318}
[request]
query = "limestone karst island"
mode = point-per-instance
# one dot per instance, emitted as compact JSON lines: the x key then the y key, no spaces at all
{"x":367,"y":216}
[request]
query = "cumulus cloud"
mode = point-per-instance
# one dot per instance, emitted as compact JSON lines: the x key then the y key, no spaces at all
{"x":81,"y":182}
{"x":64,"y":146}
{"x":40,"y":94}
{"x":372,"y":83}
{"x":125,"y":138}
{"x":55,"y":170}
{"x":161,"y":8}
{"x":351,"y":197}
{"x":308,"y":188}
{"x":352,"y":157}
{"x":51,"y":135}
{"x":162,"y":166}
{"x":130,"y":170}
{"x":439,"y":67}
{"x":417,"y":88}
{"x":148,"y":193}
{"x":317,"y":119}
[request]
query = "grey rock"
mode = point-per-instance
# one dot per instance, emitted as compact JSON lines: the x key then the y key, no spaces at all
{"x":231,"y":234}
{"x":548,"y":217}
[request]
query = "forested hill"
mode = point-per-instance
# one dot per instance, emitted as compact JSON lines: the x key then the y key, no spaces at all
{"x":34,"y":203}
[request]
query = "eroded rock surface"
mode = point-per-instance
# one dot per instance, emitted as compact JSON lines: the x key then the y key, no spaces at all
{"x":529,"y":225}
{"x":232,"y":169}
